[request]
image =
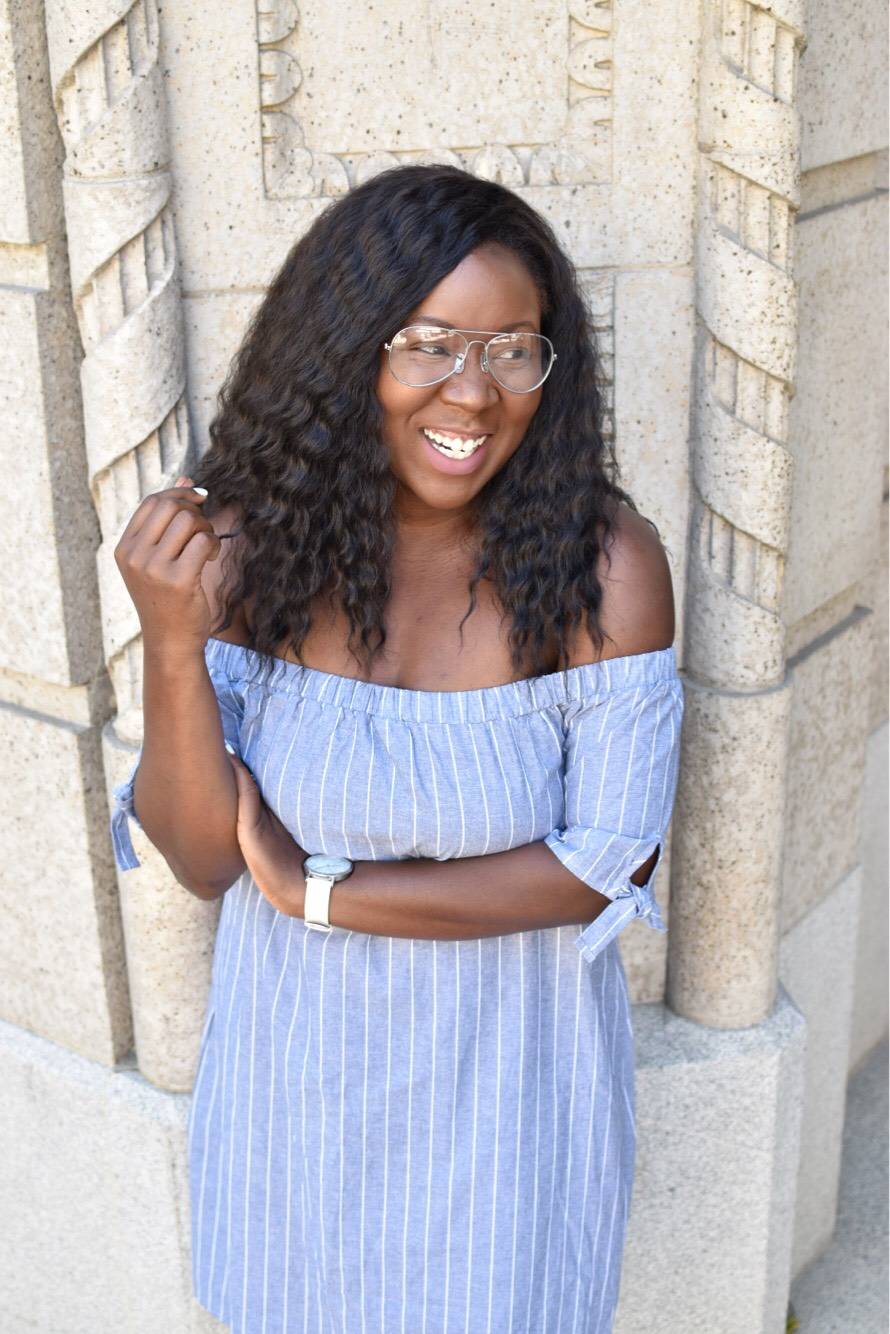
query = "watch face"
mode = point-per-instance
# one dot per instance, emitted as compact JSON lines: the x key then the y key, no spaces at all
{"x":320,"y":863}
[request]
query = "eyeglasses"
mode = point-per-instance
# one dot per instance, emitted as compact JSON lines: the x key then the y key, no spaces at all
{"x":425,"y":354}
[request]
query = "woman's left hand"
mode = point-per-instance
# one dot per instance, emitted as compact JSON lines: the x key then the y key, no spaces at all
{"x":273,"y":858}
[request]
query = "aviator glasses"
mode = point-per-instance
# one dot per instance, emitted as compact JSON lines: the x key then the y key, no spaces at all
{"x":425,"y":354}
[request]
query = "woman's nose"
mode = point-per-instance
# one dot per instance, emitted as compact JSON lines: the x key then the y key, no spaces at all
{"x":472,"y":383}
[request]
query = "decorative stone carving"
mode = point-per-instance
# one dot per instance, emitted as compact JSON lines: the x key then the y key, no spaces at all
{"x":728,"y":820}
{"x":598,"y":290}
{"x":748,"y":191}
{"x":578,"y":152}
{"x":109,"y":100}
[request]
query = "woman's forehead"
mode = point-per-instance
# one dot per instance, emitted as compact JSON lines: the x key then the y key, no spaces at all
{"x":494,"y":286}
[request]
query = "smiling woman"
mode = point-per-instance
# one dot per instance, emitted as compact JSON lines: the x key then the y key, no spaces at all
{"x":414,"y":1105}
{"x":464,"y":403}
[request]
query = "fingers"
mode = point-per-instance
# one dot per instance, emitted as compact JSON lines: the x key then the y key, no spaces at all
{"x":197,"y":552}
{"x":182,"y":530}
{"x":249,"y":800}
{"x":150,"y":519}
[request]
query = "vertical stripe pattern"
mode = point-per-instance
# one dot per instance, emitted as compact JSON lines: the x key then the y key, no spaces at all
{"x":420,"y":1136}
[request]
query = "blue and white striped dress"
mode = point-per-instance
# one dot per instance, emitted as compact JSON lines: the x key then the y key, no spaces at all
{"x":394,"y":1136}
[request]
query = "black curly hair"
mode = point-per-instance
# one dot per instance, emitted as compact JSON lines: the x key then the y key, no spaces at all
{"x":296,"y":443}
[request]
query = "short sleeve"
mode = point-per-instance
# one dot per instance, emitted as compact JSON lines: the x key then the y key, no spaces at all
{"x":622,"y":749}
{"x":229,"y":692}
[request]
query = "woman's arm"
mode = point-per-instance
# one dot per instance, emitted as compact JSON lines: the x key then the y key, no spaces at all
{"x":184,"y":793}
{"x":522,"y":889}
{"x":525,"y":888}
{"x":519,"y":889}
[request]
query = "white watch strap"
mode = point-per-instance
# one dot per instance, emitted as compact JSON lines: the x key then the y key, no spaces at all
{"x":316,"y":905}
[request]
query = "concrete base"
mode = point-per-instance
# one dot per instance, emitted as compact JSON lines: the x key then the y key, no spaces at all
{"x":845,"y":1290}
{"x":712,"y":1215}
{"x":870,"y":1002}
{"x":94,"y":1208}
{"x":817,"y":965}
{"x":94,"y":1191}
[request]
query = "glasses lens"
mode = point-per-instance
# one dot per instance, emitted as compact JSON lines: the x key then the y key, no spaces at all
{"x":520,"y":361}
{"x":423,"y":354}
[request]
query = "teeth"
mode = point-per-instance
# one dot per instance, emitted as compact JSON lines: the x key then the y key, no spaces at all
{"x":453,"y":446}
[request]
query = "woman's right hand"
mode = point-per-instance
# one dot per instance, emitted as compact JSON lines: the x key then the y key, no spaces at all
{"x":161,"y":554}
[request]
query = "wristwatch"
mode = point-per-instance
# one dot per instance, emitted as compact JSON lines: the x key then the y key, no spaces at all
{"x":322,"y":873}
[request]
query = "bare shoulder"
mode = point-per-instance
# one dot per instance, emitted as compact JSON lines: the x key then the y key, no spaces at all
{"x":637,"y":611}
{"x":218,"y":575}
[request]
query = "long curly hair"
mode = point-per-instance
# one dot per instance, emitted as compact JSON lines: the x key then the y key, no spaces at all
{"x":297,"y":445}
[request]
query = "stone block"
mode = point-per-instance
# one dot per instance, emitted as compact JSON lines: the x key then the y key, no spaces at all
{"x":654,"y":332}
{"x":34,"y":617}
{"x":552,"y":128}
{"x":874,"y":595}
{"x":219,"y":201}
{"x":50,"y":617}
{"x":718,"y":1125}
{"x":843,"y":81}
{"x":837,"y":424}
{"x":51,"y":622}
{"x":870,"y":1016}
{"x":386,"y":83}
{"x":727,"y":835}
{"x":822,"y":622}
{"x":30,"y":151}
{"x":62,"y":966}
{"x":845,"y":1290}
{"x":651,"y":206}
{"x":817,"y":966}
{"x":733,"y":632}
{"x":215,"y":324}
{"x":169,"y":936}
{"x":826,"y":757}
{"x":94,"y":1205}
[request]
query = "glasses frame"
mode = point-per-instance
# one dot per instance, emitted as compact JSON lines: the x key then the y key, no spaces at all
{"x":460,"y":363}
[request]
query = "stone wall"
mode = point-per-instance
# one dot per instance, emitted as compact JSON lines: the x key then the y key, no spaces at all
{"x":724,"y":199}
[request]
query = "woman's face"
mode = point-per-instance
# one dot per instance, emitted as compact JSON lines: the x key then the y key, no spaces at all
{"x":491,"y":290}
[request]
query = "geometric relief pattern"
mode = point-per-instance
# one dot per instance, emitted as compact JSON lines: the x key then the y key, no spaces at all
{"x":760,"y":47}
{"x":580,"y":154}
{"x":753,"y":396}
{"x":745,"y":253}
{"x":759,"y":219}
{"x":109,"y":102}
{"x":737,"y":561}
{"x":598,"y":291}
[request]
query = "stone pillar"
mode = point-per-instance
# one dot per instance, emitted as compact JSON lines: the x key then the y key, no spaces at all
{"x":62,"y":965}
{"x":722,"y":965}
{"x":109,"y":100}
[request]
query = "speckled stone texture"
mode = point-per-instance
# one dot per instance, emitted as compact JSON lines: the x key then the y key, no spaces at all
{"x":718,"y":174}
{"x":817,"y":966}
{"x":712,"y":1216}
{"x":844,"y":1291}
{"x":94,"y":1206}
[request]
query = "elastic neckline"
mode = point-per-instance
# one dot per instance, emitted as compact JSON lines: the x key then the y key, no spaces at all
{"x":511,"y":699}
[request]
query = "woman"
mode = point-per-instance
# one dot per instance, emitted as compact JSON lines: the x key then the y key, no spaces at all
{"x":414,"y":1103}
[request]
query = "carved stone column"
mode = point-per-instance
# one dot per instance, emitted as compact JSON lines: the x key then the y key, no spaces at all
{"x":729,"y":818}
{"x":109,"y":99}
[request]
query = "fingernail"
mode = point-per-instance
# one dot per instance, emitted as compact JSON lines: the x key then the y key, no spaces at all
{"x":229,"y":749}
{"x":201,"y":490}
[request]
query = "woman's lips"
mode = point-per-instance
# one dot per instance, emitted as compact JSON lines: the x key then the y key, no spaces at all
{"x":456,"y":467}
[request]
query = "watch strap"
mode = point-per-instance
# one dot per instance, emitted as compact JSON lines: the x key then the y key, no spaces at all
{"x":316,"y":905}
